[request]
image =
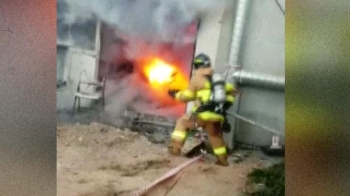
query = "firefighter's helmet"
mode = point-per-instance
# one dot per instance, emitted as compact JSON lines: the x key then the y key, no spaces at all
{"x":202,"y":60}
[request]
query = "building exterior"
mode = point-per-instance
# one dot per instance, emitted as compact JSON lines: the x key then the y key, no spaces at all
{"x":245,"y":33}
{"x":78,"y":50}
{"x":251,"y":34}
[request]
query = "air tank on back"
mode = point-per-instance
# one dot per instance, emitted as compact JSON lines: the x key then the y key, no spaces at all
{"x":218,"y":88}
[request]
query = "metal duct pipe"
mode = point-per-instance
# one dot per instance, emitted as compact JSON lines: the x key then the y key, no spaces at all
{"x":237,"y":35}
{"x":264,"y":81}
{"x":238,"y":30}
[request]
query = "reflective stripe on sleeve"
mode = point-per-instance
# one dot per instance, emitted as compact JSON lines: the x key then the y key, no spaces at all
{"x":185,"y":95}
{"x":207,"y":85}
{"x":230,"y":98}
{"x":204,"y":95}
{"x":188,"y":94}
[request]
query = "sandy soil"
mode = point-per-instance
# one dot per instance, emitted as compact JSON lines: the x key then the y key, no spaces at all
{"x":98,"y":160}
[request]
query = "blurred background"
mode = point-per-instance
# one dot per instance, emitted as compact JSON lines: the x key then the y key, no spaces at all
{"x":27,"y":97}
{"x":317,"y":98}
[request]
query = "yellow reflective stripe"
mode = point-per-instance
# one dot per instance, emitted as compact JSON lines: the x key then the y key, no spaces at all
{"x":200,"y":93}
{"x":178,"y":135}
{"x":210,"y":116}
{"x":198,"y":61}
{"x":220,"y":151}
{"x":177,"y":96}
{"x":229,"y":87}
{"x":194,"y":108}
{"x":203,"y":95}
{"x":230,"y":98}
{"x":188,"y":94}
{"x":207,"y":85}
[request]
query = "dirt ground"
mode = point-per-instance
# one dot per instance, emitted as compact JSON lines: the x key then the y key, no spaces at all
{"x":98,"y":160}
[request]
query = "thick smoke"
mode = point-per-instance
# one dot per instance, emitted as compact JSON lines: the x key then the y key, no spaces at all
{"x":148,"y":27}
{"x":153,"y":20}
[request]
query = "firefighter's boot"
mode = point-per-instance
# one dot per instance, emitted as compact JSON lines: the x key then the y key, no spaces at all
{"x":217,"y":143}
{"x":221,"y":155}
{"x":175,"y":147}
{"x":222,"y":160}
{"x":176,"y":142}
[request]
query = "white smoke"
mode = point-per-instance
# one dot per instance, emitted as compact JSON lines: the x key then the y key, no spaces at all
{"x":153,"y":20}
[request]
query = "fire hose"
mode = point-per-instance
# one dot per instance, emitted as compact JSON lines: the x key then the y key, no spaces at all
{"x":172,"y":172}
{"x":256,"y":124}
{"x":179,"y":168}
{"x":166,"y":176}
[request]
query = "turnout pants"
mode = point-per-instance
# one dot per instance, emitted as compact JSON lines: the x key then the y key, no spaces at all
{"x":213,"y":129}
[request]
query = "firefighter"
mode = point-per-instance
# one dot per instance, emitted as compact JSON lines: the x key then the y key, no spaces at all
{"x":212,"y":97}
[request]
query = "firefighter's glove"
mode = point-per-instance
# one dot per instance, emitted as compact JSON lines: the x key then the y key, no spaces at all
{"x":172,"y":93}
{"x":226,"y":127}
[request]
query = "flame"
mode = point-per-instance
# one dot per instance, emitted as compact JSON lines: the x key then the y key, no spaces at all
{"x":159,"y":72}
{"x":162,"y":75}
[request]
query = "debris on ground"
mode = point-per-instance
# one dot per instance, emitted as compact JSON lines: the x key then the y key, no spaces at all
{"x":101,"y":160}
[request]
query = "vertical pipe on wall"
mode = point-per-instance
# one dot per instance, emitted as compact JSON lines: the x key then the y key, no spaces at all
{"x":238,"y":29}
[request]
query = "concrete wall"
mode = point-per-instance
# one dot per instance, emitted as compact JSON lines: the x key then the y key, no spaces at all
{"x":224,"y":44}
{"x":262,"y":51}
{"x":209,"y":34}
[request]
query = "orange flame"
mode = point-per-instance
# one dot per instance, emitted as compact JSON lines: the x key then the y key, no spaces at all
{"x":164,"y":75}
{"x":158,"y":72}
